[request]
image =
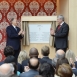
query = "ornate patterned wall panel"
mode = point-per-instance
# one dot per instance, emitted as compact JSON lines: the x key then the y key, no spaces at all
{"x":16,"y":8}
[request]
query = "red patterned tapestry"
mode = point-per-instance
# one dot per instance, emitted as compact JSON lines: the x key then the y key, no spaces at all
{"x":16,"y":8}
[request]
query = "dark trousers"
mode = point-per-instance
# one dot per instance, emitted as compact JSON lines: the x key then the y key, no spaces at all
{"x":16,"y":53}
{"x":64,"y":49}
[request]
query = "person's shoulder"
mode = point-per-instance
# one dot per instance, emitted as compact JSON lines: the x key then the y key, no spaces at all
{"x":65,"y":24}
{"x":8,"y":27}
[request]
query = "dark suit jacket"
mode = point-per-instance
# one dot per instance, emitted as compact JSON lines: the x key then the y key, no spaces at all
{"x":47,"y":59}
{"x":25,"y":63}
{"x":75,"y":71}
{"x":30,"y":73}
{"x":61,"y":36}
{"x":13,"y":39}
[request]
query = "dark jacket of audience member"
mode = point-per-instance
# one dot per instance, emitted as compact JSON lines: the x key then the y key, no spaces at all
{"x":45,"y":52}
{"x":46,"y":70}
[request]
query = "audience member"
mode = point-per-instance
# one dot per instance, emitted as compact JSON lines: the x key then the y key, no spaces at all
{"x":33,"y":65}
{"x":22,"y":56}
{"x":70,"y":54}
{"x":8,"y":50}
{"x":10,"y":59}
{"x":46,"y":70}
{"x":6,"y":70}
{"x":64,"y":70}
{"x":32,"y":53}
{"x":45,"y":52}
{"x":60,"y":62}
{"x":59,"y":54}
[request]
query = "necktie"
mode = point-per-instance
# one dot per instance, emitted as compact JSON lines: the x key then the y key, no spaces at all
{"x":59,"y":27}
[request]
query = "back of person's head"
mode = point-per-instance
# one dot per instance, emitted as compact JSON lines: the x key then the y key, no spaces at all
{"x":60,"y":62}
{"x":33,"y":63}
{"x":60,"y":54}
{"x":10,"y":59}
{"x":22,"y":56}
{"x":45,"y":51}
{"x":33,"y":52}
{"x":70,"y":54}
{"x":46,"y":70}
{"x":6,"y":70}
{"x":8,"y":50}
{"x":65,"y":70}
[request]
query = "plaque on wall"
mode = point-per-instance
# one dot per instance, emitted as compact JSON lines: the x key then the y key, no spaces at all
{"x":39,"y":32}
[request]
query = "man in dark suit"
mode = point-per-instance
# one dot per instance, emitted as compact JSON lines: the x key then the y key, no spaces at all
{"x":61,"y":34}
{"x":32,"y":53}
{"x":14,"y":34}
{"x":45,"y":52}
{"x":31,"y":70}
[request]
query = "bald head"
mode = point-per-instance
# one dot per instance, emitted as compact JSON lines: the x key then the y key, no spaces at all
{"x":33,"y":63}
{"x":33,"y":52}
{"x":60,"y":53}
{"x":6,"y":70}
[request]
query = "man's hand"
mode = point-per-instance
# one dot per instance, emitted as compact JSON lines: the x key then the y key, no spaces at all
{"x":52,"y":32}
{"x":26,"y":68}
{"x":23,"y":32}
{"x":20,"y":32}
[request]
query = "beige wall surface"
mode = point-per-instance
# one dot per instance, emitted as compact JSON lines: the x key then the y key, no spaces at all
{"x":73,"y":25}
{"x":68,"y":8}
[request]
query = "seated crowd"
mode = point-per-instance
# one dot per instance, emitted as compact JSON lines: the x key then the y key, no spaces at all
{"x":62,"y":65}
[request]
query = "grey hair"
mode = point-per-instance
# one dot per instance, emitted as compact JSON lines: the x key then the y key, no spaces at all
{"x":60,"y":56}
{"x":61,"y":17}
{"x":9,"y":73}
{"x":70,"y":54}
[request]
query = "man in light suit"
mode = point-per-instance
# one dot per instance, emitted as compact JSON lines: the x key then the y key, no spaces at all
{"x":14,"y":34}
{"x":61,"y":34}
{"x":31,"y":69}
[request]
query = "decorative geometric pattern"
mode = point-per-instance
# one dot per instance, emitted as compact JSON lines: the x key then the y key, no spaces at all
{"x":16,"y":8}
